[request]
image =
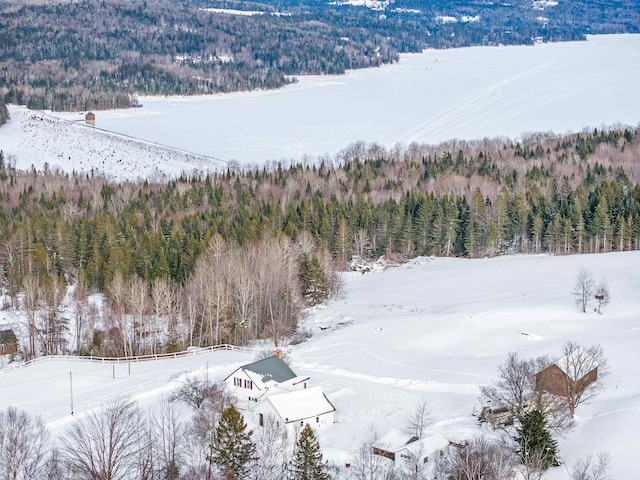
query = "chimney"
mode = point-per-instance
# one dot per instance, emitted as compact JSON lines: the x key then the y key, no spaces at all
{"x":278,"y":353}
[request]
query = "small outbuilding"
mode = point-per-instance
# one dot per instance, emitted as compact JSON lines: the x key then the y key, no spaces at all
{"x":8,"y":342}
{"x":571,"y":373}
{"x":90,"y":118}
{"x":401,"y":449}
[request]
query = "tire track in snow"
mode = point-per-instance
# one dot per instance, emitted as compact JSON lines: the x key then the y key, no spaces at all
{"x":463,"y":112}
{"x":350,"y":376}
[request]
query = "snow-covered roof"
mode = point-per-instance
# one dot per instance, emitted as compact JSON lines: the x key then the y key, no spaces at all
{"x":293,"y":382}
{"x":428,"y":445}
{"x":270,"y":370}
{"x":577,"y":364}
{"x":300,"y":404}
{"x":395,"y":440}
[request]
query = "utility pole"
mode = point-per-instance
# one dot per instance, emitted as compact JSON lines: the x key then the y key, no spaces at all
{"x":71,"y":387}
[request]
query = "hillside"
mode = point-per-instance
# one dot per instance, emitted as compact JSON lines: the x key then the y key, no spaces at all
{"x":39,"y":140}
{"x":433,"y":328}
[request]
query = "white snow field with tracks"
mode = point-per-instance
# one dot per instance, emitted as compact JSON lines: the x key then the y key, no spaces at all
{"x":435,"y":96}
{"x":434,"y":329}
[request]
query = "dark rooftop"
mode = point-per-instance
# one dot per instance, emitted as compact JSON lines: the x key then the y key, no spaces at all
{"x":271,"y":369}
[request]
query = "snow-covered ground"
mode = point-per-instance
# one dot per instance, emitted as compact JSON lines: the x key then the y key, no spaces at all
{"x":435,"y":96}
{"x":33,"y":139}
{"x":434,"y":328}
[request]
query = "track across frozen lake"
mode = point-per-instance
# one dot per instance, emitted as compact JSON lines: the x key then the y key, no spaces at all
{"x":431,"y":97}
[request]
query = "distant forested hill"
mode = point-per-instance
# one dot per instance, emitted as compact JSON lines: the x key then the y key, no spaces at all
{"x":99,"y":54}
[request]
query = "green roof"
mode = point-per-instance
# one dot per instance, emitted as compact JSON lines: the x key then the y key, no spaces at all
{"x":271,"y":369}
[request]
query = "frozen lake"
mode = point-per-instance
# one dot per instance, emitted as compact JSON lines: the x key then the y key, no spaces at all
{"x":427,"y":98}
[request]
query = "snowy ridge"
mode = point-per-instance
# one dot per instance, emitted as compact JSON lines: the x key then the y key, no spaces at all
{"x":35,"y":139}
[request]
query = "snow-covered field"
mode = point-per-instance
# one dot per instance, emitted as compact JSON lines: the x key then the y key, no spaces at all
{"x":434,"y":328}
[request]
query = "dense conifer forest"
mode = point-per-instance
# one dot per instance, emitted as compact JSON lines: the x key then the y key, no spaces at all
{"x":89,"y":55}
{"x":242,"y":252}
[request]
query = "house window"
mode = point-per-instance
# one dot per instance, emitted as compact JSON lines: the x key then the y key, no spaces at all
{"x":317,"y":419}
{"x":426,"y":459}
{"x":248,"y":384}
{"x":261,"y":420}
{"x":302,"y":423}
{"x":237,"y":382}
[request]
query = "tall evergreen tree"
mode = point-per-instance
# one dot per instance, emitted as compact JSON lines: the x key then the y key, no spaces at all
{"x":315,"y":285}
{"x":232,"y":449}
{"x":307,"y":461}
{"x":537,"y":448}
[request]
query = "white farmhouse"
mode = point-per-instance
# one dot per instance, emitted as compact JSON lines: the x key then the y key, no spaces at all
{"x":251,"y":382}
{"x":293,"y":409}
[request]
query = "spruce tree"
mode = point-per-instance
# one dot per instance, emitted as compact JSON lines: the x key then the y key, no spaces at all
{"x":315,"y":285}
{"x":307,"y":461}
{"x":537,"y":449}
{"x":232,"y":449}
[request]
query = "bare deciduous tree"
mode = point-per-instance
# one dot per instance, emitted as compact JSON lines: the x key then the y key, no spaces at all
{"x":585,"y":369}
{"x":195,"y":391}
{"x":417,"y":422}
{"x":365,"y":465}
{"x":160,"y":300}
{"x":31,"y":298}
{"x":516,"y":391}
{"x":583,"y":288}
{"x":481,"y":459}
{"x":24,"y":444}
{"x":137,"y":298}
{"x":117,"y":294}
{"x":361,"y":243}
{"x":273,"y":451}
{"x":106,"y":444}
{"x":603,"y":297}
{"x":168,"y":435}
{"x":590,"y":468}
{"x":202,"y":433}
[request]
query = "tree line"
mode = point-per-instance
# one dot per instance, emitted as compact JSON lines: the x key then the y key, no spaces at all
{"x":243,"y":251}
{"x":98,"y":55}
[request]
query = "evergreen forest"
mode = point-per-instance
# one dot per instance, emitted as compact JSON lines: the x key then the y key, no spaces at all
{"x":237,"y":255}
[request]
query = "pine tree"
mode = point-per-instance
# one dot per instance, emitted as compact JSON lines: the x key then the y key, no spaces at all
{"x":315,"y":285}
{"x":232,"y":449}
{"x":307,"y":461}
{"x":537,"y":449}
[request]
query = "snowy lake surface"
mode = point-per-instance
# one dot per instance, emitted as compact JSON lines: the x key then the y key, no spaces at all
{"x":435,"y":96}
